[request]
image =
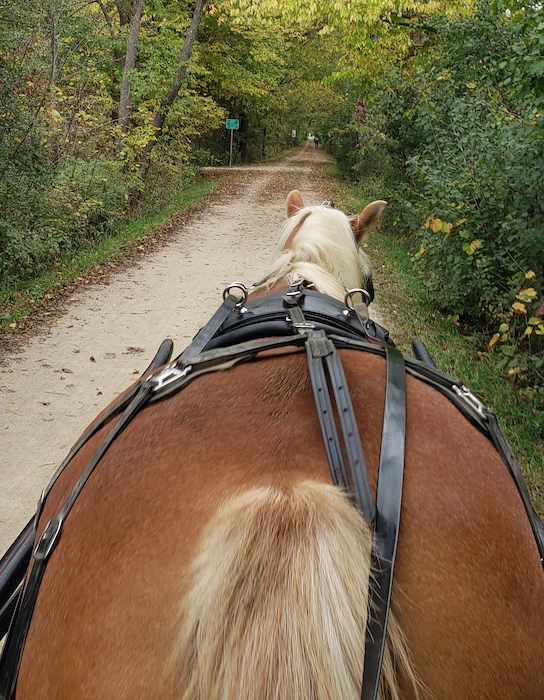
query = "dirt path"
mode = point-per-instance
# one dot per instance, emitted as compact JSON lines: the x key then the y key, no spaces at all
{"x":65,"y":374}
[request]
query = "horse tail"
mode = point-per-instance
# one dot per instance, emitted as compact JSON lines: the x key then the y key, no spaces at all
{"x":278,"y":602}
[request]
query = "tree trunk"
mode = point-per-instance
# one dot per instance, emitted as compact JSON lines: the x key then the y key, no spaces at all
{"x":124,"y":8}
{"x":53,"y":19}
{"x":130,"y":62}
{"x":169,"y":99}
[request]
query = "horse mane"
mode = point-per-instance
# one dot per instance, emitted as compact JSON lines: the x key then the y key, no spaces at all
{"x":317,"y":244}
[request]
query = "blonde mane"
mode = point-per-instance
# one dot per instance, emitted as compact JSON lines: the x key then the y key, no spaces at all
{"x":323,"y":250}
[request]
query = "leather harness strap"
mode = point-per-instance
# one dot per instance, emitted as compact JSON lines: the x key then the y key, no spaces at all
{"x":203,"y":337}
{"x":11,"y":659}
{"x":386,"y":527}
{"x":322,"y":354}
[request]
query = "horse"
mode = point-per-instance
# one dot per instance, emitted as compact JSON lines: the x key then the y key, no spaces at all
{"x":208,"y":555}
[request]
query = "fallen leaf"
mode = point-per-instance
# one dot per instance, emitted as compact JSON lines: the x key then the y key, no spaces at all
{"x":493,"y":340}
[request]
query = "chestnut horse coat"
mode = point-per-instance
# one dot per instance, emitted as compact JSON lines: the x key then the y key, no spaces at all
{"x":208,"y":556}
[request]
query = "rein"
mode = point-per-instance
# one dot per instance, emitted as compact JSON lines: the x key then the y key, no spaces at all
{"x":303,"y":313}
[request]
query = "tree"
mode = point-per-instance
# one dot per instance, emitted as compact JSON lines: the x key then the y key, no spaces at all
{"x":175,"y":87}
{"x":130,"y":62}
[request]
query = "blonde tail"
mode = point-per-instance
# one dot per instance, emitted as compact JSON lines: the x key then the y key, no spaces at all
{"x":278,"y":602}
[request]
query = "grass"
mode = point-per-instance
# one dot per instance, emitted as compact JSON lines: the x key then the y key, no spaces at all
{"x":18,"y":300}
{"x":410,"y":313}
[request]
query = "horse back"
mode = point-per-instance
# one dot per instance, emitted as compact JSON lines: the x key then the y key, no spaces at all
{"x":468,"y":592}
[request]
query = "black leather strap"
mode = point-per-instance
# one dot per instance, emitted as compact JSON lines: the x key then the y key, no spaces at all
{"x":11,"y":657}
{"x":513,"y":467}
{"x":317,"y":349}
{"x":162,"y":356}
{"x":205,"y":334}
{"x":350,"y":432}
{"x":13,"y":568}
{"x":386,"y":529}
{"x":322,"y":353}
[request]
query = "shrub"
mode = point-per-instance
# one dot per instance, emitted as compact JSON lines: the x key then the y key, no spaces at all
{"x":466,"y":124}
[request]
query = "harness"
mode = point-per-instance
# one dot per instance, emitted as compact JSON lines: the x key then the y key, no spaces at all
{"x":297,"y":318}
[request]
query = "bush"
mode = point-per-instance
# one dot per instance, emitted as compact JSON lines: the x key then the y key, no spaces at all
{"x":464,"y":122}
{"x":87,"y":195}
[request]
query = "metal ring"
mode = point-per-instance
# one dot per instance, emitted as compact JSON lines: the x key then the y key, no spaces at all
{"x":348,"y":301}
{"x":237,"y":285}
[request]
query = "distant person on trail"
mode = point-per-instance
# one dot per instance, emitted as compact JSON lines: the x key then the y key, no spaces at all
{"x":316,"y":142}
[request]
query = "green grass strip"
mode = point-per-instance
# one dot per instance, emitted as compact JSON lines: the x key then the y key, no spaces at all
{"x":17,"y":301}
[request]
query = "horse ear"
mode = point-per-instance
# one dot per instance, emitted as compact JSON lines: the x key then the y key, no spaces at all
{"x":294,"y":203}
{"x":367,"y":219}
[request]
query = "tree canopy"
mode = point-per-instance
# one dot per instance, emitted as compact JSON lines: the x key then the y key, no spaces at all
{"x":105,"y":104}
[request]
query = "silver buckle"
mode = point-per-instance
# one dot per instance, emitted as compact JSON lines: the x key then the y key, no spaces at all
{"x":301,"y":327}
{"x":349,"y":301}
{"x":168,"y":375}
{"x":468,"y":397}
{"x":48,"y":538}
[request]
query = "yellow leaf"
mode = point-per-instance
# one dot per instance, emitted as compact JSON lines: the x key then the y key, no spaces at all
{"x":471,"y":86}
{"x":528,"y":330}
{"x":519,"y":308}
{"x":527,"y":294}
{"x":475,"y":245}
{"x":493,"y":340}
{"x":446,"y":228}
{"x":529,"y":275}
{"x":434,"y":223}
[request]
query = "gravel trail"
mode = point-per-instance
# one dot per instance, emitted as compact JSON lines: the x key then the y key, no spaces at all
{"x":64,"y":374}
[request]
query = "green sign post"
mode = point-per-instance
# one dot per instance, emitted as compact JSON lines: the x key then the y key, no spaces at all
{"x":232,"y":124}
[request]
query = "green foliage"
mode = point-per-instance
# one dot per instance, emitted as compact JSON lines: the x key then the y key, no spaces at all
{"x":79,"y":201}
{"x":465,"y":122}
{"x":267,"y":75}
{"x":525,"y":66}
{"x":519,"y":341}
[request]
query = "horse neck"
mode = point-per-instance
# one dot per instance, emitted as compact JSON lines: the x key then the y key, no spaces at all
{"x":320,"y":281}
